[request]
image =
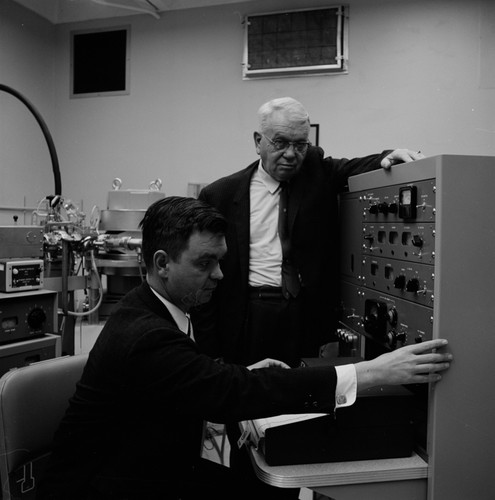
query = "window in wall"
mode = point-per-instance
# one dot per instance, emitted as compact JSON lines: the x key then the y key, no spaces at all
{"x":100,"y":62}
{"x":299,"y":42}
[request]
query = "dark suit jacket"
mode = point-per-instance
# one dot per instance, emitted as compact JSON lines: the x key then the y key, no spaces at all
{"x":134,"y":423}
{"x":313,"y":222}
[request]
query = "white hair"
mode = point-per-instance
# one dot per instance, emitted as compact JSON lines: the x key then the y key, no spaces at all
{"x":288,"y":105}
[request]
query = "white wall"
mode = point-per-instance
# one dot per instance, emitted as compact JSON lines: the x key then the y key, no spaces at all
{"x":420,"y":76}
{"x":27,"y":53}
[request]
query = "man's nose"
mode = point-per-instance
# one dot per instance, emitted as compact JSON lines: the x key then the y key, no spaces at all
{"x":290,"y":151}
{"x":217,"y":273}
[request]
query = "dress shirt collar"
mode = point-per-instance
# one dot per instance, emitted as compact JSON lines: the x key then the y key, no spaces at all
{"x":180,"y":317}
{"x":270,"y":183}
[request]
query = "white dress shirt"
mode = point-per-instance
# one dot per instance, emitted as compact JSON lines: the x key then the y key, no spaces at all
{"x":265,"y":260}
{"x":265,"y":250}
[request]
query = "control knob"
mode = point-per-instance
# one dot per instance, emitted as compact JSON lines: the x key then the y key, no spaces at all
{"x":393,"y":208}
{"x":412,"y":285}
{"x":417,"y":241}
{"x":383,"y":208}
{"x":36,"y":318}
{"x":394,"y":337}
{"x":392,"y":316}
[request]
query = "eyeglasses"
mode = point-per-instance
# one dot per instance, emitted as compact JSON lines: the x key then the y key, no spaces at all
{"x":282,"y":145}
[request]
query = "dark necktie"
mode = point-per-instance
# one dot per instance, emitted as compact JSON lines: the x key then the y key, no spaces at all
{"x":290,"y":279}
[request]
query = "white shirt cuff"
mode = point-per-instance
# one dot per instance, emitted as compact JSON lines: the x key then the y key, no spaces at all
{"x":345,"y":392}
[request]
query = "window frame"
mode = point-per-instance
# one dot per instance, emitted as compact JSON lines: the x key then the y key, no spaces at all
{"x":340,"y":66}
{"x":125,"y":61}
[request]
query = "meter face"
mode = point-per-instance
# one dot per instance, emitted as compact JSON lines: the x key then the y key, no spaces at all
{"x":407,"y":202}
{"x":405,"y":198}
{"x":8,"y":323}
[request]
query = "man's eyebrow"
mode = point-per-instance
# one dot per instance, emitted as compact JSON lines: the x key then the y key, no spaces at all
{"x":209,"y":255}
{"x":206,"y":255}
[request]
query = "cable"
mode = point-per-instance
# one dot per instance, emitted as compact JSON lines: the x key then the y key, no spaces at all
{"x":100,"y":289}
{"x":210,"y":434}
{"x":46,"y":133}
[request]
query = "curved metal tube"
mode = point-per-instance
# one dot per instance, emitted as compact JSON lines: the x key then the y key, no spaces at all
{"x":46,"y":133}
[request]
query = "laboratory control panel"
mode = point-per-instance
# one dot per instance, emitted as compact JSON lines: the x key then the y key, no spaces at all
{"x":26,"y":315}
{"x":387,"y":285}
{"x":417,"y":245}
{"x":17,"y":275}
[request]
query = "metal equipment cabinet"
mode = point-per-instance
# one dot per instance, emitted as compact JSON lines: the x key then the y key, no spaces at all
{"x":418,"y":246}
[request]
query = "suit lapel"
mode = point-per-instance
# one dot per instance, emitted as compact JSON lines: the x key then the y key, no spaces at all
{"x":241,"y":210}
{"x":303,"y":184}
{"x":152,"y":301}
{"x":296,"y":192}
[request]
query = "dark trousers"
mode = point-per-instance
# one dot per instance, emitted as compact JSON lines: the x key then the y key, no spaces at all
{"x":273,"y":330}
{"x":209,"y":480}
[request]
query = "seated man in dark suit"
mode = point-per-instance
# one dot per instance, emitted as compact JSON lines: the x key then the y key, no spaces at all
{"x":133,"y":428}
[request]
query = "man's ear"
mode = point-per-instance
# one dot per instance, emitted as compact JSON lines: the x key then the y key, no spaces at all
{"x":257,"y":139}
{"x":160,"y":261}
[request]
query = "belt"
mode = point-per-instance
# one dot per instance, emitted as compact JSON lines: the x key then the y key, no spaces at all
{"x":265,"y":292}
